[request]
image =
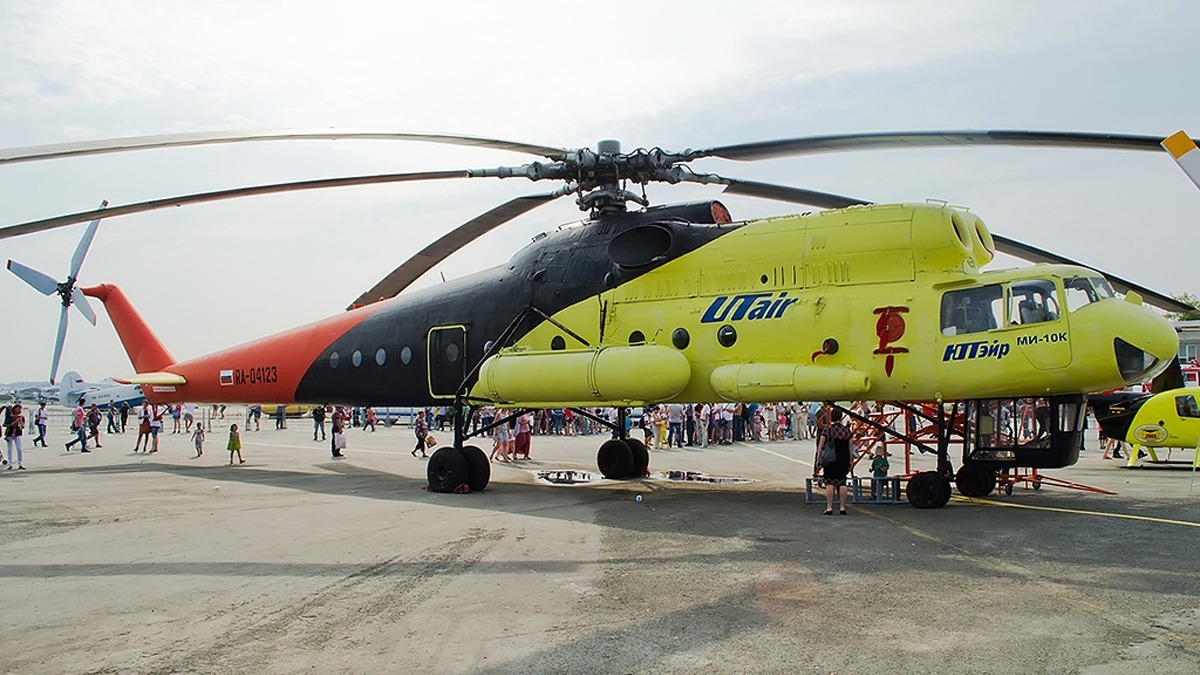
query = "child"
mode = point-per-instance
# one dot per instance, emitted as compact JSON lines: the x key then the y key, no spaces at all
{"x":198,"y":439}
{"x":235,"y":445}
{"x":879,"y":472}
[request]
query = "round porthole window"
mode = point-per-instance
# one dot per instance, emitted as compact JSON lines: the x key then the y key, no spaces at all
{"x":452,"y":352}
{"x":726,"y":335}
{"x":406,"y":356}
{"x":381,"y":357}
{"x":333,"y":360}
{"x":680,"y":338}
{"x":356,"y":358}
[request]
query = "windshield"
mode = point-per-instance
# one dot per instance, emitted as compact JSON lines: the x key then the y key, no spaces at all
{"x":1081,"y":291}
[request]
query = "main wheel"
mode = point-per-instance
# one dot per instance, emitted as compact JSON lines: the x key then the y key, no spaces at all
{"x":615,"y":459}
{"x":479,"y":468}
{"x":641,"y":457}
{"x":975,"y":480}
{"x":447,"y":470}
{"x":928,"y":490}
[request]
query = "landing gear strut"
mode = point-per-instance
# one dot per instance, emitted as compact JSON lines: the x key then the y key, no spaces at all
{"x":621,"y":457}
{"x":931,"y":489}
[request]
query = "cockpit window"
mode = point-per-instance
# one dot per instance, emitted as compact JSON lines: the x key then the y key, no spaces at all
{"x":1186,"y":406}
{"x":1034,"y":301}
{"x":972,"y":310}
{"x":1103,"y":288}
{"x":1080,"y":291}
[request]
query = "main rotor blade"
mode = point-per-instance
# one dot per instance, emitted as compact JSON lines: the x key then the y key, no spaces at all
{"x":1185,"y":153}
{"x":808,"y":145}
{"x":782,"y":193}
{"x":1036,"y":255}
{"x":425,"y":260}
{"x":58,"y":343}
{"x":84,"y":244}
{"x":60,"y":150}
{"x":140,"y":207}
{"x":44,"y":283}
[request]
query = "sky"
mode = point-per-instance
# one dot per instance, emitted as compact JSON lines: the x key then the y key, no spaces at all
{"x":668,"y":74}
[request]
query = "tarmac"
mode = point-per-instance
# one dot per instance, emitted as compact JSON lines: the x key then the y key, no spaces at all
{"x":295,"y":562}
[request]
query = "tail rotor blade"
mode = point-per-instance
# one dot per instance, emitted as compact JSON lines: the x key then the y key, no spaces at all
{"x":1186,"y":154}
{"x":84,"y":244}
{"x":58,"y":343}
{"x":81,"y":303}
{"x":39,"y":280}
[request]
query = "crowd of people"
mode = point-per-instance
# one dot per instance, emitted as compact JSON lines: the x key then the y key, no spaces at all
{"x":510,"y":432}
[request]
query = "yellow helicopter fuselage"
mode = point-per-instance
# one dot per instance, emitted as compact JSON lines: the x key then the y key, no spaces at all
{"x":877,"y":303}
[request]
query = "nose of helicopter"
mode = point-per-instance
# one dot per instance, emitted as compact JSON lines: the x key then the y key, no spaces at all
{"x":1144,"y":342}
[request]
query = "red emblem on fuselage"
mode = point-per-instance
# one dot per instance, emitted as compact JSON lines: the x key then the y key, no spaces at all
{"x":890,"y":328}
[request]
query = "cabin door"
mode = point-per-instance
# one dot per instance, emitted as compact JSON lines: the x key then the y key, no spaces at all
{"x":447,"y":347}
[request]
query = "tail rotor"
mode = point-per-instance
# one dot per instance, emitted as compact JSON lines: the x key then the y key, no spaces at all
{"x":67,"y":291}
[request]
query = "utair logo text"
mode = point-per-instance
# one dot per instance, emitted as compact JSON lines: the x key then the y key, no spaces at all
{"x":751,"y":306}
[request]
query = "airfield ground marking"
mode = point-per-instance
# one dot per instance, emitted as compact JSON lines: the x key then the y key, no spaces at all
{"x":1100,"y":514}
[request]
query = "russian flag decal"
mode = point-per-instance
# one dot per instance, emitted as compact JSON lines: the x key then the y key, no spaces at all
{"x":226,"y":378}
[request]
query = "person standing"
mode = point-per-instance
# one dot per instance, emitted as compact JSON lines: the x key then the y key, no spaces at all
{"x":421,"y":431}
{"x":281,"y":416}
{"x":79,"y":426}
{"x":338,"y":442}
{"x":143,"y":428}
{"x":156,"y":425}
{"x":834,"y":475}
{"x":675,"y":425}
{"x":369,"y":419}
{"x":198,"y":439}
{"x":111,"y":414}
{"x":176,"y":417}
{"x":234,"y":445}
{"x":14,"y":428}
{"x":318,"y":414}
{"x":124,"y":415}
{"x":93,"y":422}
{"x":40,"y":417}
{"x":189,"y":416}
{"x":524,"y":436}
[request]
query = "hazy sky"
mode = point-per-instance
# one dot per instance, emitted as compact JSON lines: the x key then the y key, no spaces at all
{"x":669,"y":74}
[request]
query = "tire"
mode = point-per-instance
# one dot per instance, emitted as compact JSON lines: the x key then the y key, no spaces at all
{"x":479,"y":468}
{"x":928,"y":490}
{"x":447,"y":470}
{"x":975,"y":480}
{"x":615,"y":459}
{"x":641,"y":457}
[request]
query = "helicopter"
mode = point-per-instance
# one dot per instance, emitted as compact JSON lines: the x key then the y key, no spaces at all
{"x":682,"y":303}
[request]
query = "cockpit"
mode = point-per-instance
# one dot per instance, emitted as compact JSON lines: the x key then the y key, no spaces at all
{"x":1017,"y":303}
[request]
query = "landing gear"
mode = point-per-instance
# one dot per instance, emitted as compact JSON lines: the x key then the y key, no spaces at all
{"x":975,"y":480}
{"x":620,"y":457}
{"x":928,"y":490}
{"x":448,"y":470}
{"x":641,"y":457}
{"x":479,"y":468}
{"x":615,"y":459}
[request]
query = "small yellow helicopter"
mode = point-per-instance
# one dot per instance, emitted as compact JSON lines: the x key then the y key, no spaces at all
{"x":681,"y":303}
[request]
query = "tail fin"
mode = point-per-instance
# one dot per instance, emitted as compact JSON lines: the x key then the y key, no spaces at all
{"x":145,"y":350}
{"x":69,"y":383}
